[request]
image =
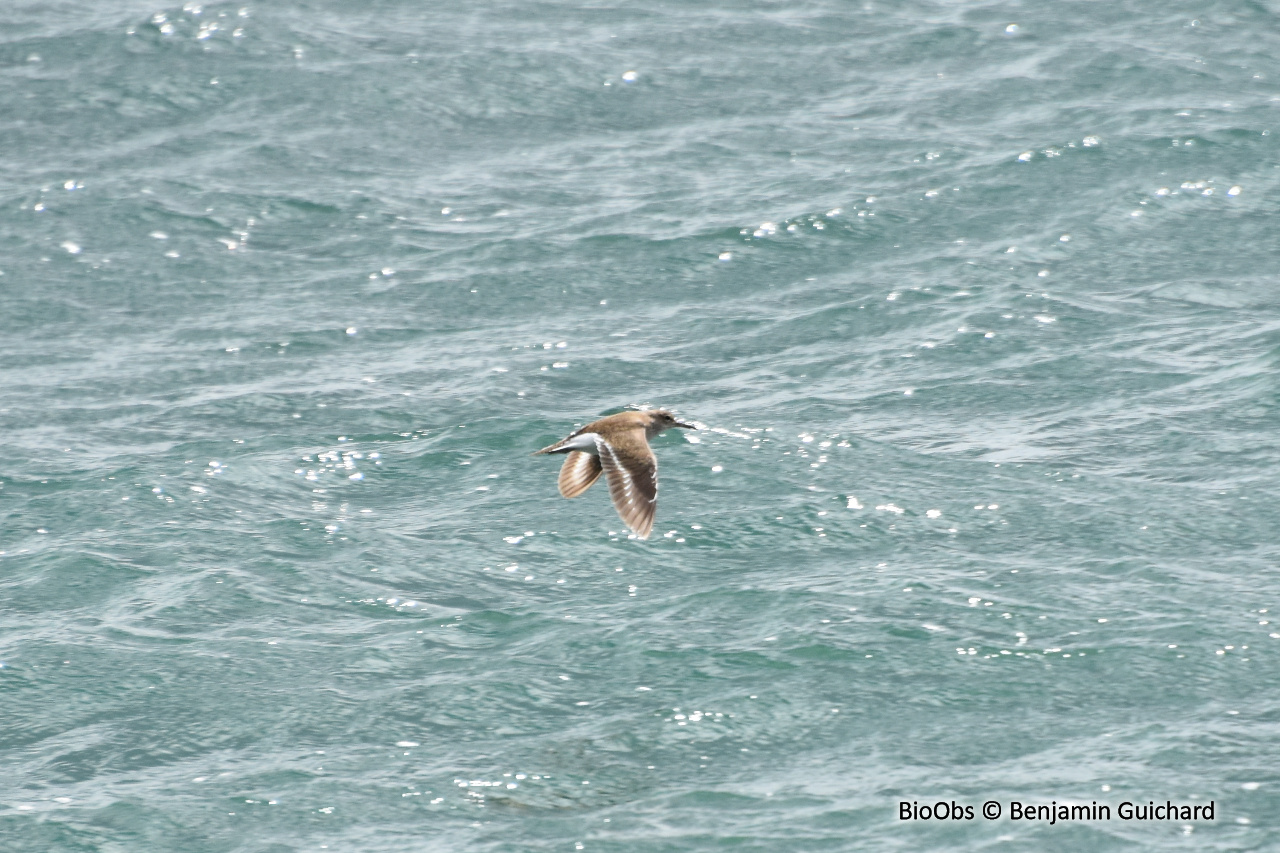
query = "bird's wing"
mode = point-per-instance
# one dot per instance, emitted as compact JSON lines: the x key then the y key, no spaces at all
{"x":552,"y":448}
{"x":577,"y":474}
{"x":632,"y":472}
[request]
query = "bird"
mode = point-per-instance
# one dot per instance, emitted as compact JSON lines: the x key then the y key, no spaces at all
{"x":618,"y":447}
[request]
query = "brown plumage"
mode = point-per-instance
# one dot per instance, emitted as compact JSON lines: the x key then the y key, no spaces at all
{"x":618,"y":447}
{"x":579,"y":471}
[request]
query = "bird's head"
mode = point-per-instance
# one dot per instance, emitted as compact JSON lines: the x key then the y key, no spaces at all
{"x":661,"y":419}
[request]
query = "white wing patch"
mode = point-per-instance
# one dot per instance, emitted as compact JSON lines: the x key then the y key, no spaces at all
{"x":584,"y":441}
{"x":633,"y":485}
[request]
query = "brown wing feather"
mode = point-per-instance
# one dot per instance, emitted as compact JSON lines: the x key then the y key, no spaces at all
{"x":632,"y":473}
{"x":577,"y":474}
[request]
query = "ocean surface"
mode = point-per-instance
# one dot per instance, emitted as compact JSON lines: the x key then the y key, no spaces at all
{"x":978,"y":302}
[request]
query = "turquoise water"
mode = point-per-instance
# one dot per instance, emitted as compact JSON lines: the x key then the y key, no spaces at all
{"x":978,"y":303}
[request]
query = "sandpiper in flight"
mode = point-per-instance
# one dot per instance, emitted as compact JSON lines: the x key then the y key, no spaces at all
{"x":617,"y":445}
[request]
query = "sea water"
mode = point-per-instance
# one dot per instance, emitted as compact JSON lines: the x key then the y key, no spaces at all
{"x":977,"y":302}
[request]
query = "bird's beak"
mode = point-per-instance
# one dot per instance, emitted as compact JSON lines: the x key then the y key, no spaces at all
{"x":684,"y":424}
